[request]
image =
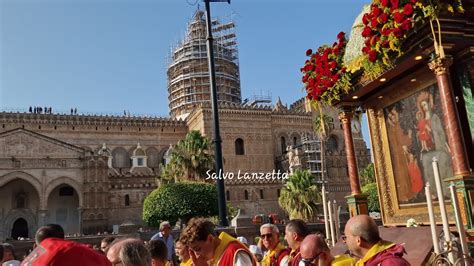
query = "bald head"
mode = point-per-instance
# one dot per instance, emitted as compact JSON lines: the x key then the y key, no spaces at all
{"x":129,"y":252}
{"x":315,"y":250}
{"x":312,"y":245}
{"x":365,"y":227}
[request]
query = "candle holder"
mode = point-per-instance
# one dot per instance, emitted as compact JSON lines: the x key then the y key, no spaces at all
{"x":450,"y":248}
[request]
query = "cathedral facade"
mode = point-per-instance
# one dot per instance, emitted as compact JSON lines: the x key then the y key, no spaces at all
{"x":89,"y":173}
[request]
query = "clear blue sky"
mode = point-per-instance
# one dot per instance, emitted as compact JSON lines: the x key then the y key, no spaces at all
{"x":106,"y":56}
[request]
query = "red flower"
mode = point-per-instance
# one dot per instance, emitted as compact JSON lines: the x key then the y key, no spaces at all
{"x":366,"y":50}
{"x":397,"y":32}
{"x":374,"y":23}
{"x":376,"y":11}
{"x":384,"y":3}
{"x":406,"y":25}
{"x":385,"y":44}
{"x":341,"y":36}
{"x":398,"y":17}
{"x":374,"y":40}
{"x":373,"y":56}
{"x":366,"y":18}
{"x":367,"y":42}
{"x":394,"y":3}
{"x":332,"y":64}
{"x":309,"y":52}
{"x":385,"y":32}
{"x":383,"y":18}
{"x":408,"y":9}
{"x":367,"y":32}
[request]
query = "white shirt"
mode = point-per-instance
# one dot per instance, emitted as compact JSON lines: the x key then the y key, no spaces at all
{"x":242,"y":259}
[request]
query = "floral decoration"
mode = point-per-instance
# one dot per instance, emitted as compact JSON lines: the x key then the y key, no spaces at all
{"x":386,"y":26}
{"x":412,"y":223}
{"x":324,"y":75}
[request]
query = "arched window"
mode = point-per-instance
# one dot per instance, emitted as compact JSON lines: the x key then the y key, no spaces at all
{"x":278,"y":192}
{"x":261,"y":194}
{"x":227,"y":195}
{"x":127,"y":200}
{"x":121,"y":159}
{"x":246,"y":195}
{"x":295,"y":141}
{"x":283,"y":145}
{"x":239,"y":147}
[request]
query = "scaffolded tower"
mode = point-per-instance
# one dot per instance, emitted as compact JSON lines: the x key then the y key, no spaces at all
{"x":188,"y":74}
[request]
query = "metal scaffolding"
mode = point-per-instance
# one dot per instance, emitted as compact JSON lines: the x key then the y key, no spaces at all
{"x":188,"y":76}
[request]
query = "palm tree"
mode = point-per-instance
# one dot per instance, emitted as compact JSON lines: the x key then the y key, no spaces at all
{"x":300,"y":196}
{"x":322,"y":125}
{"x":191,"y":158}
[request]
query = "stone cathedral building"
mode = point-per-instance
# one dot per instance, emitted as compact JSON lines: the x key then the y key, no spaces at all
{"x":89,"y":172}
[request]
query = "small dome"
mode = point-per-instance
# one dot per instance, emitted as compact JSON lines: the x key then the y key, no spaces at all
{"x":139,"y":151}
{"x":355,"y":43}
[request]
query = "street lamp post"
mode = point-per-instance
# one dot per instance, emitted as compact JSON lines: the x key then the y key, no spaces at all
{"x":215,"y":115}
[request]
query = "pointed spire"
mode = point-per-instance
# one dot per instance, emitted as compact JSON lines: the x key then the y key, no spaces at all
{"x":279,"y":105}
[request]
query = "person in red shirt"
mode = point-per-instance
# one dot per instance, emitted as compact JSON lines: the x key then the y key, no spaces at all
{"x":362,"y":237}
{"x":295,"y":231}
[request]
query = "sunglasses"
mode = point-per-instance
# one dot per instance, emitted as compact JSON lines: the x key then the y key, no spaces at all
{"x":269,"y":235}
{"x":309,"y":262}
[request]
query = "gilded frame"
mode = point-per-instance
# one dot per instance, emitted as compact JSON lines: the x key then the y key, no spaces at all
{"x":394,"y":210}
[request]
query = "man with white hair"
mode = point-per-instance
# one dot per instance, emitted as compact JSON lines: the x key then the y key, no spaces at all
{"x":165,"y":235}
{"x":277,"y":254}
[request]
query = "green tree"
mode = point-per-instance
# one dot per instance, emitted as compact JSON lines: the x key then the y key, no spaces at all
{"x":367,"y":175}
{"x":322,"y":125}
{"x":300,"y":196}
{"x":372,"y":197}
{"x":182,"y":200}
{"x":191,"y":158}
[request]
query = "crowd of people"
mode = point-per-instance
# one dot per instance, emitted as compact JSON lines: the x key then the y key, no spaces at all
{"x":199,"y":244}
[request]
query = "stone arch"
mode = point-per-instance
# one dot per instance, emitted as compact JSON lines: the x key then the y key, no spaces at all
{"x":239,"y":146}
{"x":91,"y":216}
{"x":25,"y":214}
{"x":162,"y":154}
{"x":153,"y":157}
{"x":295,"y":139}
{"x":26,"y":177}
{"x":121,"y":158}
{"x":67,"y":181}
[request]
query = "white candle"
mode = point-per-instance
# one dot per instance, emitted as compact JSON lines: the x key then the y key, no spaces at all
{"x":336,"y":219}
{"x":325,"y":211}
{"x":459,"y":224}
{"x":442,"y":207}
{"x":331,"y":224}
{"x":434,"y":236}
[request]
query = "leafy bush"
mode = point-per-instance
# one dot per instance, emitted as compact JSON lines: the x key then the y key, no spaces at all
{"x":175,"y":201}
{"x":370,"y":190}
